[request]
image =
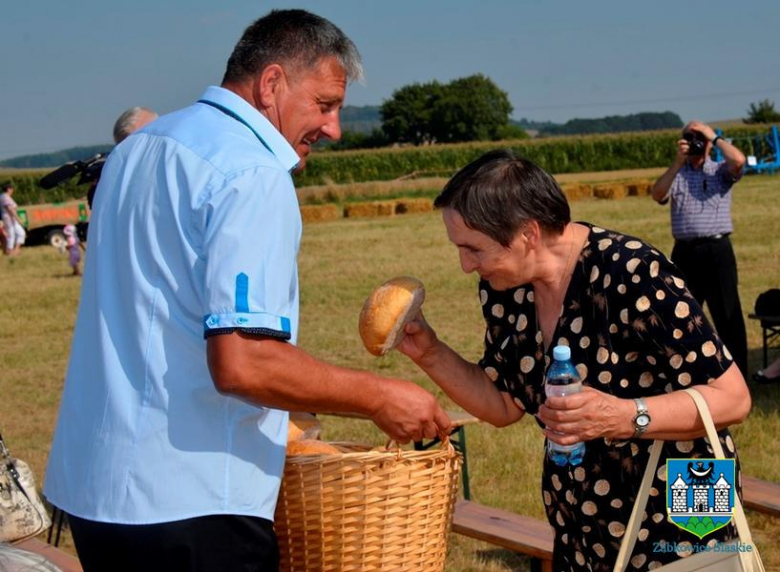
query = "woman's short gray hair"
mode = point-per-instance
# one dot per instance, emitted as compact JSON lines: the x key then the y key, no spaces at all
{"x":500,"y":192}
{"x":296,"y":38}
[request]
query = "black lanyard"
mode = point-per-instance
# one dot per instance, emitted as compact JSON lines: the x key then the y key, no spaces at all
{"x":238,"y":118}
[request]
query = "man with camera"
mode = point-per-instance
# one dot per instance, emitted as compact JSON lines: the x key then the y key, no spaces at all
{"x":700,"y":193}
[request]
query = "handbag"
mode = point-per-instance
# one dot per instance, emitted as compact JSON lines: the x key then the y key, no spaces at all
{"x":768,"y":303}
{"x":737,"y":561}
{"x":22,"y":514}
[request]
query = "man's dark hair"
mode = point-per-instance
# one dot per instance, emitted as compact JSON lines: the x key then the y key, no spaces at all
{"x":6,"y":185}
{"x":295,"y":38}
{"x":500,"y":192}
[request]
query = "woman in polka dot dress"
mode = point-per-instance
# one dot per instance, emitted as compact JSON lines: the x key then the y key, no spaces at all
{"x":634,"y":331}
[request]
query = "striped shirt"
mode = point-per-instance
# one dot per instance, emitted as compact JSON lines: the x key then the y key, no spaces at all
{"x":701,"y":201}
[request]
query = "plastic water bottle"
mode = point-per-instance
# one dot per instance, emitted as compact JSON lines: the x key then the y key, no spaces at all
{"x":562,"y":379}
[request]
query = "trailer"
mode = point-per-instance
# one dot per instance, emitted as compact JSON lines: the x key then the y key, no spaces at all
{"x":766,"y":152}
{"x":45,"y":223}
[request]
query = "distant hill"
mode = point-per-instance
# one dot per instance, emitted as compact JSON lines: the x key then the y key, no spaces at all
{"x":648,"y":121}
{"x":365,"y":119}
{"x":531,"y":125}
{"x":45,"y":160}
{"x":361,"y":119}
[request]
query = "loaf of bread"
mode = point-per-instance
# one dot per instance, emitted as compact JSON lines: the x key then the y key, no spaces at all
{"x":387,"y":311}
{"x":303,"y":426}
{"x":311,"y":447}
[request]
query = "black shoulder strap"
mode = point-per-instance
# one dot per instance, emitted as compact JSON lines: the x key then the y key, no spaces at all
{"x":234,"y":115}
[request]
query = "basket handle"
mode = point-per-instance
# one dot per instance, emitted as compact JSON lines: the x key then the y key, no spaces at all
{"x":392,"y":444}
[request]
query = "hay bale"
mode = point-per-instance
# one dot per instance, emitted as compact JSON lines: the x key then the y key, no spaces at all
{"x":369,"y":209}
{"x":385,"y":208}
{"x":613,"y":191}
{"x":576,"y":192}
{"x":639,"y":188}
{"x":319,"y":213}
{"x":357,"y":210}
{"x":408,"y":206}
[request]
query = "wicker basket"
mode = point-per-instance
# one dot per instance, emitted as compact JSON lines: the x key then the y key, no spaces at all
{"x":367,"y":510}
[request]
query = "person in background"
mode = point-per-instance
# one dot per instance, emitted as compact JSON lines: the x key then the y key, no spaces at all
{"x":770,"y":374}
{"x":700,"y":191}
{"x":74,"y":246}
{"x":636,"y":337}
{"x":170,"y":443}
{"x":130,"y":121}
{"x":12,"y":224}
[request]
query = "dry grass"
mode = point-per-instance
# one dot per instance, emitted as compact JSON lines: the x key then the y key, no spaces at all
{"x":341,"y":261}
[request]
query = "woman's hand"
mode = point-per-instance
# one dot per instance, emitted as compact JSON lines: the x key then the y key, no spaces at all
{"x":420,"y":339}
{"x":589,"y":414}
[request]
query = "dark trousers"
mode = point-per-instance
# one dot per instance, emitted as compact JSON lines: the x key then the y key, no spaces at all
{"x":710,"y":270}
{"x":218,"y":543}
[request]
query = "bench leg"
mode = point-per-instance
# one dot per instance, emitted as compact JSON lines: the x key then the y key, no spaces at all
{"x":465,"y":467}
{"x":538,"y":565}
{"x":766,"y":343}
{"x":57,"y":521}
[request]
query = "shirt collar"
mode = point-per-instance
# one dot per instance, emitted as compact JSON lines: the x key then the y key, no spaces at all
{"x":274,"y":140}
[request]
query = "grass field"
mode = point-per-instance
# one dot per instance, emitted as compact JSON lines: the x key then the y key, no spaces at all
{"x":340,"y":262}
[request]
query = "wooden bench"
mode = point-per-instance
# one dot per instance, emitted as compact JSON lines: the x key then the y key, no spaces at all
{"x":62,"y":560}
{"x":761,"y":496}
{"x":515,"y":532}
{"x":533,"y":537}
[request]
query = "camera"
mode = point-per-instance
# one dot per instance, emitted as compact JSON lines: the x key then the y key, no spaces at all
{"x":89,"y":170}
{"x":697,"y":143}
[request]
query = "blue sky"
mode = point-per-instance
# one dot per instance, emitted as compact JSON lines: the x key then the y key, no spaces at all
{"x":69,"y":68}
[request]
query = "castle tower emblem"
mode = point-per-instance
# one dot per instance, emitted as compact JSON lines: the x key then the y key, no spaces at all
{"x":700,"y":493}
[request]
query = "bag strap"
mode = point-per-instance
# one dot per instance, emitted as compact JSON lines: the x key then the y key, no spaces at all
{"x":632,"y":528}
{"x":4,"y":453}
{"x":743,"y":530}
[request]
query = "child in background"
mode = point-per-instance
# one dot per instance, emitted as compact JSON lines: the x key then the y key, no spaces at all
{"x":74,"y":246}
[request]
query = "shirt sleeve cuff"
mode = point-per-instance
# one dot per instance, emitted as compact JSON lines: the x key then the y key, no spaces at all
{"x":253,"y":323}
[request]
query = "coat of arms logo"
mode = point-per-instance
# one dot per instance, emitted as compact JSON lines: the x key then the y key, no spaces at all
{"x":700,"y":494}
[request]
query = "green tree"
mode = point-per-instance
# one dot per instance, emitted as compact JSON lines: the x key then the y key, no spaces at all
{"x":467,"y":109}
{"x":763,"y":112}
{"x":471,"y":109}
{"x":406,"y":116}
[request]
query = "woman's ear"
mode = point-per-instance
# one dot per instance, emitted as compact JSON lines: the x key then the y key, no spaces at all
{"x":531,"y":233}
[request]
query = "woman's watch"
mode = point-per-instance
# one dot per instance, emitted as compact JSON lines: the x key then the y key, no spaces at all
{"x":642,"y":417}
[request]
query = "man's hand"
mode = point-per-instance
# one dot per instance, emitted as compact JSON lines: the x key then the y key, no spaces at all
{"x":409,"y":413}
{"x":702,"y":128}
{"x":682,"y":153}
{"x":587,"y":415}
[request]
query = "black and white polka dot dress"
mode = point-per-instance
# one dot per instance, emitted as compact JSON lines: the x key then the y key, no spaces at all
{"x":634,"y":331}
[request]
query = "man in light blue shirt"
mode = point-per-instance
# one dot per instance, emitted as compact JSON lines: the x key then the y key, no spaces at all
{"x":170,"y":443}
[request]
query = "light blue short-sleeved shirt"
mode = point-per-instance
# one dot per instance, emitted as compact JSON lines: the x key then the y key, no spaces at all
{"x":195,"y":231}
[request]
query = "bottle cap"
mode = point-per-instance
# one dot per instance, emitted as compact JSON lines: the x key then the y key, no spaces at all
{"x":561,"y":353}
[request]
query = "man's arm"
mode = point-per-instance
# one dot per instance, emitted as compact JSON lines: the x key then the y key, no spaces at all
{"x":274,"y":373}
{"x":735,"y":159}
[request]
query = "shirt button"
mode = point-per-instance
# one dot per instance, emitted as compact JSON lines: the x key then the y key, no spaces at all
{"x":241,"y":321}
{"x":213,"y":321}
